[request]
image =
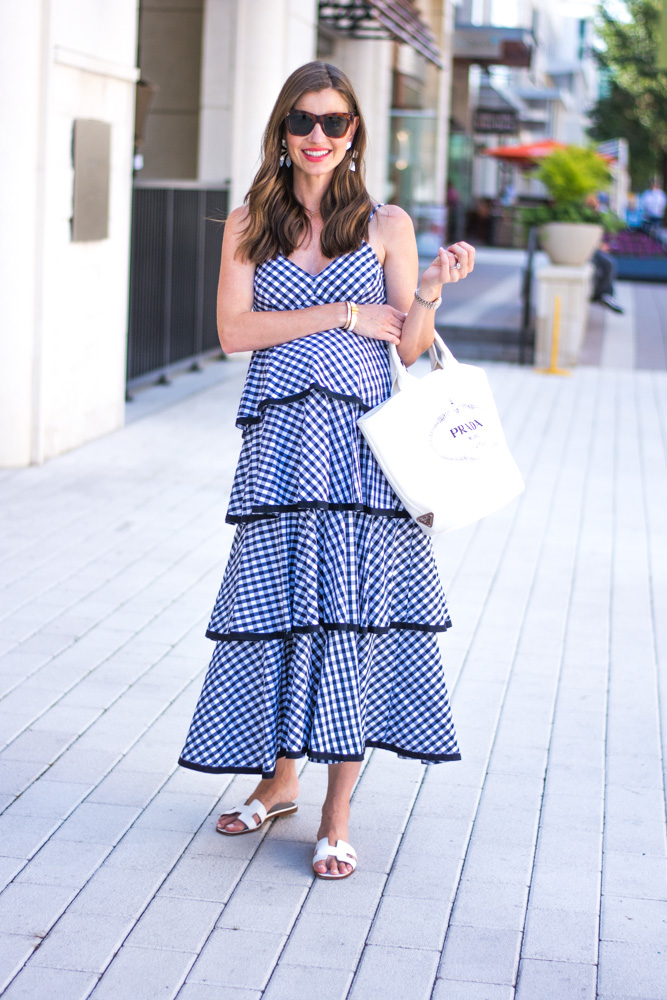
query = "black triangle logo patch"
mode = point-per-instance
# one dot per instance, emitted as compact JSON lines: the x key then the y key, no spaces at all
{"x":426,"y":519}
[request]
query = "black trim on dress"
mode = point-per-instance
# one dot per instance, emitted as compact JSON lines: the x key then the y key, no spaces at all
{"x":323,"y":758}
{"x":263,"y":511}
{"x":295,"y":397}
{"x":325,"y":627}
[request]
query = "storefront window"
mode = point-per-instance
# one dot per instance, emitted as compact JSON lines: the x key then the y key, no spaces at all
{"x":412,"y":173}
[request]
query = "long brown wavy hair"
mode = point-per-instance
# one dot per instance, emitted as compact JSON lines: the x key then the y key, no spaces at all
{"x":277,"y":221}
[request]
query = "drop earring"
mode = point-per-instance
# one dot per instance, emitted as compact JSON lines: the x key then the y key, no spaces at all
{"x":352,"y":167}
{"x":284,"y":156}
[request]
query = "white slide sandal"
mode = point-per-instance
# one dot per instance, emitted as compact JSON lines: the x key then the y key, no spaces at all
{"x":342,"y":852}
{"x":247,"y":815}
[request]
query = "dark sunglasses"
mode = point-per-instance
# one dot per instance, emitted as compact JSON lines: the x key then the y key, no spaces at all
{"x":334,"y":126}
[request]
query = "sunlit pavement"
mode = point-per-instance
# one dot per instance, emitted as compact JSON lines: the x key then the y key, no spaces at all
{"x":535,"y":868}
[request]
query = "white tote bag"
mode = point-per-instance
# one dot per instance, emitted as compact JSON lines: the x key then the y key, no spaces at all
{"x":439,"y":442}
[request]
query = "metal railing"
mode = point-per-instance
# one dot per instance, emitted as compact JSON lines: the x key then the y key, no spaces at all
{"x":175,"y":259}
{"x":527,"y":330}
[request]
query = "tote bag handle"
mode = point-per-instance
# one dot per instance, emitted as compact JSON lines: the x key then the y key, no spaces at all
{"x":438,"y":352}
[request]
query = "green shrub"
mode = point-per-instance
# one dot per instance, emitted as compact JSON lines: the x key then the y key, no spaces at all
{"x":573,"y":176}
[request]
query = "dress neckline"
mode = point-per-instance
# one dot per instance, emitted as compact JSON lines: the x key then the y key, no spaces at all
{"x":364,"y":243}
{"x":332,"y":262}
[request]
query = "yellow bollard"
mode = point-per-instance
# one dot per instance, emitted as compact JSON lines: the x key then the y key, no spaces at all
{"x":553,"y":368}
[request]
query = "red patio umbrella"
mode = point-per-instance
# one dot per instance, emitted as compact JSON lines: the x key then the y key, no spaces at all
{"x":526,"y":155}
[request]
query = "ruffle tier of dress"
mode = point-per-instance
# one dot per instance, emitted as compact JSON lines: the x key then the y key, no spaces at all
{"x":327,"y":695}
{"x":327,"y":617}
{"x":326,"y":621}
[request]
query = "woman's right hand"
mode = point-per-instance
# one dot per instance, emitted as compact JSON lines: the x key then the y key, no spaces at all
{"x":380,"y":322}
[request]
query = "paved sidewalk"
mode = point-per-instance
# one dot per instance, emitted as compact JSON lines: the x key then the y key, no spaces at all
{"x":534,"y":869}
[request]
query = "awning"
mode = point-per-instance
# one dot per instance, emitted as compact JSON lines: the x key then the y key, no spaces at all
{"x":531,"y":153}
{"x":527,"y":155}
{"x":487,"y":45}
{"x":399,"y":20}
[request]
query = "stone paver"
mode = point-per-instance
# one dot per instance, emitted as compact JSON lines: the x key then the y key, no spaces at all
{"x":536,"y":867}
{"x":82,"y":941}
{"x":57,"y":984}
{"x":232,"y":957}
{"x":554,"y":980}
{"x":388,"y":973}
{"x":451,"y":989}
{"x":290,"y":981}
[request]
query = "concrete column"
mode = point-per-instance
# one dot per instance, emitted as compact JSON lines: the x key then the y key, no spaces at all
{"x":461,"y":110}
{"x":63,"y":305}
{"x":24,"y":35}
{"x":369,"y":65}
{"x":272,"y":40}
{"x":218,"y":68}
{"x":442,"y":22}
{"x":170,"y":50}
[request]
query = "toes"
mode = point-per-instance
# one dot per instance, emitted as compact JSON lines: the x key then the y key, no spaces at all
{"x":332,"y":867}
{"x":231,"y":826}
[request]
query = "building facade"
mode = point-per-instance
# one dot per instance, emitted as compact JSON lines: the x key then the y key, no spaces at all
{"x":63,"y":308}
{"x":87,"y":203}
{"x":523,"y":73}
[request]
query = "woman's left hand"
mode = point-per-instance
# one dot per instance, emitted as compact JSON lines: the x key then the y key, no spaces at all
{"x":451,"y":264}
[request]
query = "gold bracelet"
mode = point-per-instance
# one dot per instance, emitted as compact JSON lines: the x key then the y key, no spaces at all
{"x":354,"y":309}
{"x":346,"y":326}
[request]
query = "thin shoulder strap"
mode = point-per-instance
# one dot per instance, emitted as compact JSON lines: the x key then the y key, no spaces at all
{"x":381,"y":205}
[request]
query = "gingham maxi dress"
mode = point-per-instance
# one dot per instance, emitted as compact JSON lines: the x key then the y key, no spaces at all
{"x":326,"y":623}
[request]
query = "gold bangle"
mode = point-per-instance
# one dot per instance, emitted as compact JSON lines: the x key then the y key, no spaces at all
{"x":354,"y":309}
{"x":346,"y":325}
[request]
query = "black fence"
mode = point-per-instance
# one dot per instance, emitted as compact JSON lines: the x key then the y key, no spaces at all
{"x":512,"y":342}
{"x":527,"y":331}
{"x":174,"y":267}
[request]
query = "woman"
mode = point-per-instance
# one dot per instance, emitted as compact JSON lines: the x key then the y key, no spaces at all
{"x":326,"y":621}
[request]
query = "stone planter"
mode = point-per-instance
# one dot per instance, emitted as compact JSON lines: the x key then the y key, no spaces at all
{"x":570,"y":243}
{"x":572,"y":285}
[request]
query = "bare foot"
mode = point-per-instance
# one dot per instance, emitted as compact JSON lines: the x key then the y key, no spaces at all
{"x":334,"y":827}
{"x":269,"y":791}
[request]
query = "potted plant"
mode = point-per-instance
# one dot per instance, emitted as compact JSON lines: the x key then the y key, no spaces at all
{"x":570,"y":223}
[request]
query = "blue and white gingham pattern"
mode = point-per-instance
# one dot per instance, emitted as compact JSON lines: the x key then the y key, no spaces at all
{"x":336,"y":361}
{"x":309,"y":452}
{"x":312,"y":569}
{"x":326,"y":618}
{"x":329,"y":694}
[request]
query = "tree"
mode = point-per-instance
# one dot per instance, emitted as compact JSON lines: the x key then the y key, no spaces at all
{"x":635,"y":106}
{"x":614,"y":117}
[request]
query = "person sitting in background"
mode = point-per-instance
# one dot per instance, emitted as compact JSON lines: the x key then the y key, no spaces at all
{"x":604,"y":268}
{"x":633,"y":212}
{"x":603,"y":279}
{"x":652,"y":204}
